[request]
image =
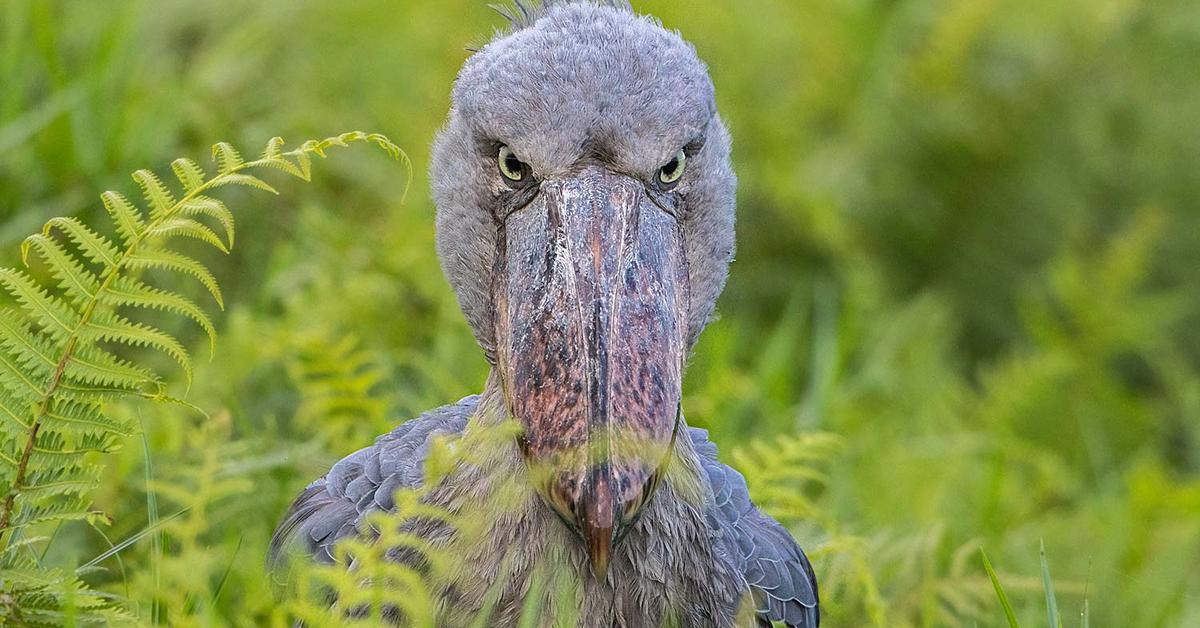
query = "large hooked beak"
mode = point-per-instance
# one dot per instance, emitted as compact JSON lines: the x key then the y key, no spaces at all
{"x":591,"y":309}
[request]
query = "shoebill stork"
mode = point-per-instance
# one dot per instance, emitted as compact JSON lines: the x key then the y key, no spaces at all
{"x":585,"y":219}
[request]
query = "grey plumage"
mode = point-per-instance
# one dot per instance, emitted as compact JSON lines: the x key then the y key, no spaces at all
{"x":363,"y":482}
{"x":592,"y":99}
{"x":524,"y":13}
{"x":585,"y":81}
{"x":771,"y":566}
{"x":775,"y":568}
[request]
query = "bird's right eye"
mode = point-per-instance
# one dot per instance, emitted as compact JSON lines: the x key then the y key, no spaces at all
{"x":670,"y":173}
{"x":512,"y":168}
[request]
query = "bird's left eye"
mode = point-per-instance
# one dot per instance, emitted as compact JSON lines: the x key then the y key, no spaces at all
{"x":512,"y":168}
{"x":672,"y":171}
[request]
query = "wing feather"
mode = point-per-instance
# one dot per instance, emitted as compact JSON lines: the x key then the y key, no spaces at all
{"x":777,"y":572}
{"x":366,"y":481}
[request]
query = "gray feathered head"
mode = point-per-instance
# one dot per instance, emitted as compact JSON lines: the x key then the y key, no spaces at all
{"x":586,"y":222}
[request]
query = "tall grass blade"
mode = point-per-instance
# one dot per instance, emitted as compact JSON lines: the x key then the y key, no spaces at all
{"x":83,"y":569}
{"x":225,"y":576}
{"x":148,"y":530}
{"x":157,"y":541}
{"x":1004,"y":603}
{"x":1053,"y":619}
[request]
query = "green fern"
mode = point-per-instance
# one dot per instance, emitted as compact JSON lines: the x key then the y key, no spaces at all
{"x":201,"y":488}
{"x":59,"y":365}
{"x":777,"y":470}
{"x":339,"y":382}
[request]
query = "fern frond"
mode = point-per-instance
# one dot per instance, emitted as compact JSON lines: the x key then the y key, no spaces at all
{"x":129,"y":292}
{"x":127,"y":218}
{"x":272,"y":157}
{"x":775,"y":470}
{"x":63,"y":413}
{"x":48,"y":311}
{"x":77,"y":282}
{"x":189,"y":173}
{"x":227,"y":157}
{"x":339,"y":385}
{"x":248,"y":181}
{"x":21,"y":380}
{"x":56,"y":445}
{"x":166,"y":259}
{"x":14,"y":407}
{"x":58,"y":369}
{"x":188,"y":228}
{"x":274,"y":148}
{"x":94,"y":246}
{"x":110,"y":327}
{"x":36,"y":597}
{"x":53,"y":481}
{"x":23,"y":343}
{"x":158,"y":197}
{"x":213,"y":208}
{"x":91,"y":366}
{"x":94,"y":366}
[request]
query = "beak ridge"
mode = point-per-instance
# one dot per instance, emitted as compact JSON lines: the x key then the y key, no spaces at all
{"x":591,"y":309}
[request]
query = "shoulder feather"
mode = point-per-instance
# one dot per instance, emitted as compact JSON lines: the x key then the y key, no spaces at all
{"x":333,"y":506}
{"x":777,"y":573}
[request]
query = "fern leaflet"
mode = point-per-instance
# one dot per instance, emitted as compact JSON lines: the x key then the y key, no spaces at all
{"x":58,"y":368}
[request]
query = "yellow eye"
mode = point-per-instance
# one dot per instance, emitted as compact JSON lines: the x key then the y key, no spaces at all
{"x":512,"y":168}
{"x":673,"y":170}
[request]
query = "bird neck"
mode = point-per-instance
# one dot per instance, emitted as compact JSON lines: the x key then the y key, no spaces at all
{"x":492,"y":409}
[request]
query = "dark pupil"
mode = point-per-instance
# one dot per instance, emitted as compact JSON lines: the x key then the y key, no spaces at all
{"x":512,"y":164}
{"x":669,"y":169}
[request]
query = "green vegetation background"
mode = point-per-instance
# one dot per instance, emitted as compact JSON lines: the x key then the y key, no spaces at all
{"x":964,"y":311}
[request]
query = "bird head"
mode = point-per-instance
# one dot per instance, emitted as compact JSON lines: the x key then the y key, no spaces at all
{"x":586,"y":222}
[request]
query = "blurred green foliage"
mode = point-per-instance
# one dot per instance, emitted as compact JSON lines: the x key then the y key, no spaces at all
{"x":964,"y":311}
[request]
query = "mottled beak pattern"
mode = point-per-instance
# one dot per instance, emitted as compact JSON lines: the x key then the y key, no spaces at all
{"x":591,"y":302}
